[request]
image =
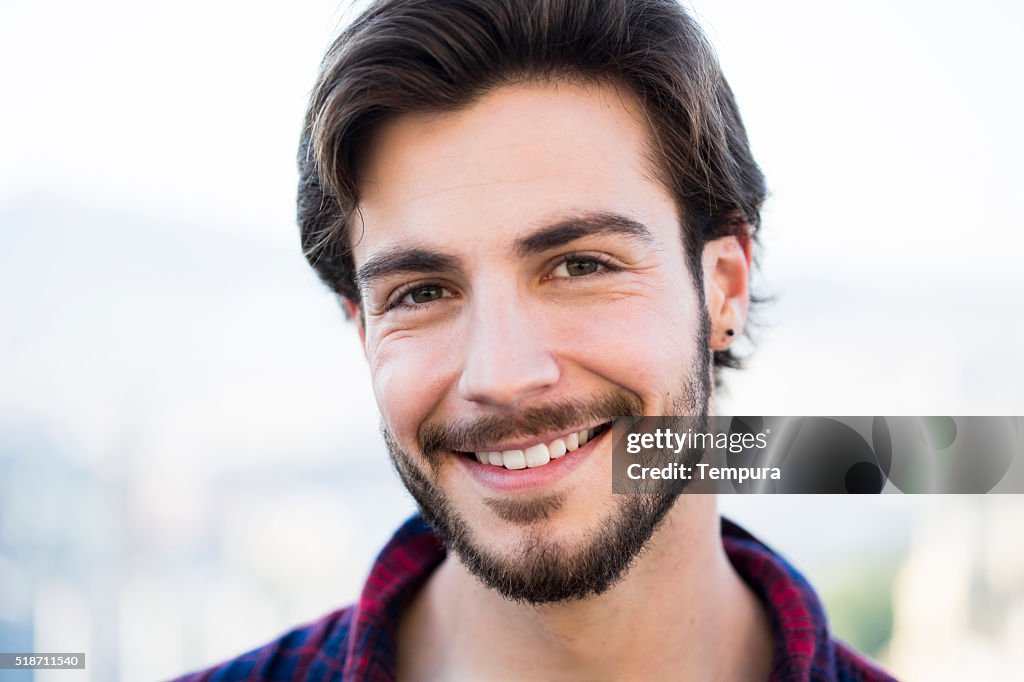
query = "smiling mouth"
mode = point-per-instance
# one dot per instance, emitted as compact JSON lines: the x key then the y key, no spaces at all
{"x":540,"y":454}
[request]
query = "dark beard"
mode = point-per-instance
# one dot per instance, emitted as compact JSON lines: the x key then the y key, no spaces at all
{"x":541,"y":570}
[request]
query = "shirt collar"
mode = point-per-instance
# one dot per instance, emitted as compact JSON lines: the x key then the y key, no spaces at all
{"x":802,"y":643}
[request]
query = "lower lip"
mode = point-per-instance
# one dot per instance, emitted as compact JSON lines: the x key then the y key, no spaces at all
{"x":510,"y":480}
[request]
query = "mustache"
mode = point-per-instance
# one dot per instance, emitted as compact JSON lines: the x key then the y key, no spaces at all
{"x":470,"y":435}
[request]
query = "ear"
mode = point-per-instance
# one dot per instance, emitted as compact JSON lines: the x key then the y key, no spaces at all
{"x":355,"y":313}
{"x":726,"y":264}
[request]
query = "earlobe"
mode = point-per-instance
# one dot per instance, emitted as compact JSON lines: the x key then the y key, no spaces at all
{"x":726,"y":263}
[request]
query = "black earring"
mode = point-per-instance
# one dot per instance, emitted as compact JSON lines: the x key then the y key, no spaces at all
{"x":729,"y":332}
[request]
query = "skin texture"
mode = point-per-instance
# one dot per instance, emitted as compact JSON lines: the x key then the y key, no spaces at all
{"x":490,"y":332}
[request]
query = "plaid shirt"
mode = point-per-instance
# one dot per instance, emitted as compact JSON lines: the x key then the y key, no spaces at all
{"x":359,"y":642}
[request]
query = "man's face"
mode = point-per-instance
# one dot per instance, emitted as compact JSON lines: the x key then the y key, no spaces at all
{"x":523,"y":281}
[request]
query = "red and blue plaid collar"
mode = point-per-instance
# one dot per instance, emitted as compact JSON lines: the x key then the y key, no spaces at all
{"x":803,"y":648}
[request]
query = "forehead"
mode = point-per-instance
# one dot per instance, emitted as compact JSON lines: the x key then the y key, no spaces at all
{"x":515,"y":158}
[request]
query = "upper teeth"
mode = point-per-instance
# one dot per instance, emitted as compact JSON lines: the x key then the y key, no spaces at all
{"x":536,"y":455}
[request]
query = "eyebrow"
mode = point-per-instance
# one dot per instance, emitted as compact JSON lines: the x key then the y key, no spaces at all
{"x":399,"y":260}
{"x":589,"y":224}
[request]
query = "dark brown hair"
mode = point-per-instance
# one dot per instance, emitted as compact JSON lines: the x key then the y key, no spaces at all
{"x":410,"y":56}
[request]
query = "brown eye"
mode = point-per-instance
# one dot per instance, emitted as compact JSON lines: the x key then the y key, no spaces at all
{"x":581,"y":267}
{"x":576,"y":267}
{"x":424,"y":294}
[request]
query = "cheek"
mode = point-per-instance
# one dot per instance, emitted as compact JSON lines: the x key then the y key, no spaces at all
{"x":410,"y":375}
{"x":645,"y":344}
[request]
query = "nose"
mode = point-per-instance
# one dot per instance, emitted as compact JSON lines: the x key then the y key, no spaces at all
{"x":507,"y":358}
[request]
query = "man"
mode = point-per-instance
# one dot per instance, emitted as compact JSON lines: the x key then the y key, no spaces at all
{"x":540,"y":215}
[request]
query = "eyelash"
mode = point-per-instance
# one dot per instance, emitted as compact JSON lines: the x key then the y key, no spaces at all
{"x":606,"y":266}
{"x":396,"y":300}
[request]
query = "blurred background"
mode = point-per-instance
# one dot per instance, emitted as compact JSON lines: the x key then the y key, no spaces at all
{"x":189,"y":457}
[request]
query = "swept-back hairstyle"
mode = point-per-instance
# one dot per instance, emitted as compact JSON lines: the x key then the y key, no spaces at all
{"x":410,"y":56}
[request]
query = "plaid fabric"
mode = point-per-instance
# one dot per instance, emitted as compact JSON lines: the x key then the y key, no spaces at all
{"x":359,"y":642}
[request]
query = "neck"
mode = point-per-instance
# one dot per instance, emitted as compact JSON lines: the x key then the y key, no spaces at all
{"x":681,"y":611}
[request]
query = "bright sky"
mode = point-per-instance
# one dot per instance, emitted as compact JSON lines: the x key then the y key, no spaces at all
{"x":880,"y":123}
